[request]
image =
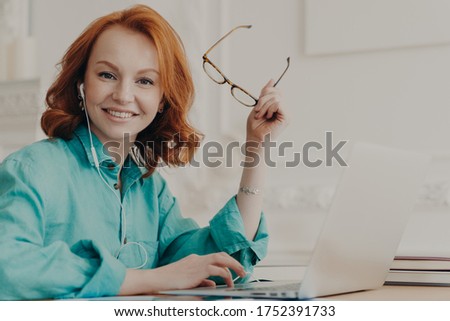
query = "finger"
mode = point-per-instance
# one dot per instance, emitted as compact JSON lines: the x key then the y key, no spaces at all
{"x":222,"y":272}
{"x":272,"y":110}
{"x":272,"y":91}
{"x":265,"y":98}
{"x":267,"y":88}
{"x":269,"y":84}
{"x":225,"y":260}
{"x":229,"y":279}
{"x":208,"y":283}
{"x":274,"y":101}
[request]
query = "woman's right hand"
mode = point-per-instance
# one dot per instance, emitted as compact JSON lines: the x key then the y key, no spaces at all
{"x":194,"y":270}
{"x":189,"y":272}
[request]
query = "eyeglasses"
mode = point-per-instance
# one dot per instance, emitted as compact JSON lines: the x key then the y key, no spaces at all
{"x":239,"y":93}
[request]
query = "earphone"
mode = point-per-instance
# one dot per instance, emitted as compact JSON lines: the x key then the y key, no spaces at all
{"x":123,"y":242}
{"x":93,"y":152}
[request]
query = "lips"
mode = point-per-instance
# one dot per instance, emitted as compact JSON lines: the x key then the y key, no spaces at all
{"x":119,"y":113}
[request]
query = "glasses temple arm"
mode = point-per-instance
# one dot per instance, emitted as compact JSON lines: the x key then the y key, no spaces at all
{"x":226,"y":35}
{"x":287,"y":67}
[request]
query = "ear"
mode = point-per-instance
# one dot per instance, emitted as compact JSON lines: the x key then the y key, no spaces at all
{"x":162,"y":104}
{"x":79,"y":82}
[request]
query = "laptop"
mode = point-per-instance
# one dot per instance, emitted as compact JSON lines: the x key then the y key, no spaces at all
{"x":361,"y":233}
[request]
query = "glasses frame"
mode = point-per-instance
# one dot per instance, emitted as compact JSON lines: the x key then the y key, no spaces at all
{"x":234,"y":86}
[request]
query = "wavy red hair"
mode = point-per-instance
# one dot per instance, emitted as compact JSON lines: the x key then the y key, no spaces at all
{"x":169,"y":138}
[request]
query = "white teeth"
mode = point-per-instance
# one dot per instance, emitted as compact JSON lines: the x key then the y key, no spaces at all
{"x":119,"y":114}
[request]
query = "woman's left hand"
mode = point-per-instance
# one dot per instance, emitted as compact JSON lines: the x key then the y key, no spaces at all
{"x":268,"y":116}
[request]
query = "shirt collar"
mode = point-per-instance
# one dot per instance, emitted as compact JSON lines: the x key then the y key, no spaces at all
{"x":133,"y":167}
{"x":82,"y":133}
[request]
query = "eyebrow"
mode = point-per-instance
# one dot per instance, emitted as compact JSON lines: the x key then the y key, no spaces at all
{"x":111,"y":65}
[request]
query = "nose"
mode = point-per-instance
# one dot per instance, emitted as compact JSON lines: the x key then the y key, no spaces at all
{"x":123,"y":94}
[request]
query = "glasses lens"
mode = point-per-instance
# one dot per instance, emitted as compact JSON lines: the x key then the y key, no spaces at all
{"x":213,"y":73}
{"x":243,"y":97}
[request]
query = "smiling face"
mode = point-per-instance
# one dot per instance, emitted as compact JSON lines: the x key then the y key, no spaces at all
{"x":122,"y":84}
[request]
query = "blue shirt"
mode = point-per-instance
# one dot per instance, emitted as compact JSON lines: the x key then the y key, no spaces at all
{"x":60,"y":225}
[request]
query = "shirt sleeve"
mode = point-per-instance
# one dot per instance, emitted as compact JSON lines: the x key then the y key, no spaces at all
{"x":180,"y":236}
{"x":32,"y":269}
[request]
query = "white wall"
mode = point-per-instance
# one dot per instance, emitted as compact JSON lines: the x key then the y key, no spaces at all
{"x":393,"y":94}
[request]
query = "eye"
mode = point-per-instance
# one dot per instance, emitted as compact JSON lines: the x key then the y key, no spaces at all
{"x":145,"y":82}
{"x":106,"y":75}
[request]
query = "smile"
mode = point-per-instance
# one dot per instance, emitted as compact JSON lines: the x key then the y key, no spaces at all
{"x":119,"y":114}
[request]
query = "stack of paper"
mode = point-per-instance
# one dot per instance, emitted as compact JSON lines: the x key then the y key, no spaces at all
{"x":419,"y":270}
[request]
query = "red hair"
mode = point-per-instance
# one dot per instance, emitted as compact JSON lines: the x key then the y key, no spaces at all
{"x":169,"y":138}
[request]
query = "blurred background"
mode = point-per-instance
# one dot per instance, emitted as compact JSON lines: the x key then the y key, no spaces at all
{"x":365,"y":70}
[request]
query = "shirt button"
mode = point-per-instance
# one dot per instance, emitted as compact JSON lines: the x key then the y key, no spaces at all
{"x":116,"y":186}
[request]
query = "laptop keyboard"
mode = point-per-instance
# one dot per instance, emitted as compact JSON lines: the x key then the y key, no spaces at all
{"x":269,"y":288}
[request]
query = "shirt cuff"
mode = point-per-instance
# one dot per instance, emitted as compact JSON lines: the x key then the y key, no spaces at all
{"x":108,"y":273}
{"x":227,"y":230}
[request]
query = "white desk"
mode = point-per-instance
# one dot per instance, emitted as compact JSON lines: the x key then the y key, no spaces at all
{"x":279,"y":273}
{"x":397,"y":293}
{"x":385,"y":293}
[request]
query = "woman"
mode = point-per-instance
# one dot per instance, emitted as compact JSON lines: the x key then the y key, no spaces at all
{"x":78,"y":219}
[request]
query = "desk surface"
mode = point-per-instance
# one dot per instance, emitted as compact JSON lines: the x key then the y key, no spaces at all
{"x":385,"y":293}
{"x":397,"y":293}
{"x":278,"y":273}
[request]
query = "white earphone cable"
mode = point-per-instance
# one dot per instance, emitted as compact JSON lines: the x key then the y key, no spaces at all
{"x":123,"y":233}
